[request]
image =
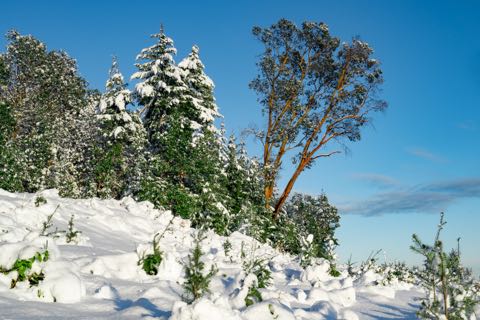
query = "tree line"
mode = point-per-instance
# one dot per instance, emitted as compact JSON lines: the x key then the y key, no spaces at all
{"x":160,"y":141}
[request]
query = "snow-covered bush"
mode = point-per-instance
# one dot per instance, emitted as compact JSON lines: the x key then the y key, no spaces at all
{"x":258,"y":277}
{"x":316,"y":219}
{"x":451,"y":289}
{"x":24,"y":269}
{"x":396,"y":272}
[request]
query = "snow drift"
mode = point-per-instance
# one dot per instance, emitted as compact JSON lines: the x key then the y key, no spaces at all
{"x":97,"y":276}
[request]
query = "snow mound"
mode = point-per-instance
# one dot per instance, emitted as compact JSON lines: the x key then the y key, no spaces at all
{"x":97,"y":274}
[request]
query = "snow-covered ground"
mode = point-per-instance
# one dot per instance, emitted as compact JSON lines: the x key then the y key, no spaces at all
{"x":97,"y":276}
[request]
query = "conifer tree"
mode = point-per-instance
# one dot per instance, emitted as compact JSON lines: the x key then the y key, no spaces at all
{"x":179,"y":112}
{"x":119,"y":156}
{"x":204,"y":110}
{"x":158,"y":94}
{"x":206,"y":174}
{"x":160,"y":87}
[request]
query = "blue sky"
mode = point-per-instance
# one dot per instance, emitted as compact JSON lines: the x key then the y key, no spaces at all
{"x":420,"y":157}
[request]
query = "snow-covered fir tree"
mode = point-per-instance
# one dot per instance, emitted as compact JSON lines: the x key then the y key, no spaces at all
{"x":244,"y":188}
{"x":119,"y":155}
{"x":178,"y":112}
{"x":158,"y":94}
{"x":204,"y":110}
{"x":160,"y":88}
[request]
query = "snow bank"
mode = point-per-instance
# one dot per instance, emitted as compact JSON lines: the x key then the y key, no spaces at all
{"x":97,"y":274}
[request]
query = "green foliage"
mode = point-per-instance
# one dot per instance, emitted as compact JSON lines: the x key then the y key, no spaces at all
{"x":119,"y":154}
{"x":7,"y":123}
{"x":196,"y":280}
{"x":396,"y":271}
{"x":48,"y":98}
{"x":227,"y":246}
{"x":151,"y":262}
{"x":23,"y":267}
{"x":4,"y":72}
{"x":306,"y":218}
{"x":451,"y":289}
{"x":71,"y":233}
{"x":314,"y":216}
{"x":253,"y":296}
{"x":334,"y":271}
{"x":260,"y":269}
{"x":10,"y":162}
{"x":180,"y":200}
{"x":40,"y":200}
{"x":109,"y":171}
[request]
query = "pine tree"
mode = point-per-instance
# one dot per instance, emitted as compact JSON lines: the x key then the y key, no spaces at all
{"x":197,"y":282}
{"x":450,"y":288}
{"x":208,"y":177}
{"x":119,"y":155}
{"x":204,"y":110}
{"x":159,"y":94}
{"x":179,"y":112}
{"x":235,"y":178}
{"x":160,"y":87}
{"x":244,"y":189}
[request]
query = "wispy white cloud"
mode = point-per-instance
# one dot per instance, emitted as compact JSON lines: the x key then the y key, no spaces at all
{"x":428,"y":198}
{"x":426,"y":154}
{"x":376,"y":180}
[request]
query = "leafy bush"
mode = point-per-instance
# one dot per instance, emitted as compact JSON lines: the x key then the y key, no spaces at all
{"x":260,"y":269}
{"x":151,"y":262}
{"x":396,"y":271}
{"x":169,"y":196}
{"x":306,"y":228}
{"x":253,"y":296}
{"x":23,"y":267}
{"x":314,"y":216}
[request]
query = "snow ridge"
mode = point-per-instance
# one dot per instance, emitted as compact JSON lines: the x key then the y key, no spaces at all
{"x":97,"y":276}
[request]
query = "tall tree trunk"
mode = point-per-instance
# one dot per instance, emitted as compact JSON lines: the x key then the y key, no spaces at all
{"x":288,"y":188}
{"x":268,"y":192}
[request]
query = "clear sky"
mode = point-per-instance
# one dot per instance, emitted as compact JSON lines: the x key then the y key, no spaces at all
{"x":420,"y":157}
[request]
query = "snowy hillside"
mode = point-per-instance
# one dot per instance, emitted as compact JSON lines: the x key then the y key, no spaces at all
{"x":95,"y":275}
